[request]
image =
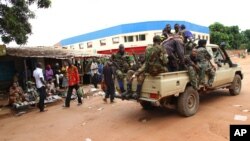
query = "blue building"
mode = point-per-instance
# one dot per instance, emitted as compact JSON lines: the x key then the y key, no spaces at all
{"x":134,"y":36}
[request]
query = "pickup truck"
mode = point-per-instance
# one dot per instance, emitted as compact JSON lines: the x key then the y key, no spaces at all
{"x":174,"y":89}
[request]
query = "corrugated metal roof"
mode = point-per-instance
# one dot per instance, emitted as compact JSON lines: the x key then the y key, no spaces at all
{"x":47,"y":52}
{"x":129,"y":28}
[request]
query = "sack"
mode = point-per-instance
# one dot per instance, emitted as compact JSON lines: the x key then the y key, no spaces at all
{"x":80,"y":91}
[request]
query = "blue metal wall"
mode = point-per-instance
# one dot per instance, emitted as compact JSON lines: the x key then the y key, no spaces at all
{"x":129,"y":28}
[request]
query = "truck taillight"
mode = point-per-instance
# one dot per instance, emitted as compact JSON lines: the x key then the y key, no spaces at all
{"x":154,"y":95}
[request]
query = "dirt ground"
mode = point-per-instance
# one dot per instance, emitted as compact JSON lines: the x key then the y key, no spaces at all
{"x":127,"y":121}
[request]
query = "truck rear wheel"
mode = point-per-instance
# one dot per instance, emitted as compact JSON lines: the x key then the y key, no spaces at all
{"x":188,"y":102}
{"x":146,"y":105}
{"x":236,"y":86}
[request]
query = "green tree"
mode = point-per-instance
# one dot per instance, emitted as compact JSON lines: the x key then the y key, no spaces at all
{"x":247,"y":34}
{"x":14,"y":19}
{"x":218,"y":33}
{"x":229,"y":34}
{"x":246,"y":38}
{"x":236,"y":37}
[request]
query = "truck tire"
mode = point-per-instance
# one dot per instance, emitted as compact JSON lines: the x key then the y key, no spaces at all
{"x":188,"y":102}
{"x":146,"y":105}
{"x":236,"y":86}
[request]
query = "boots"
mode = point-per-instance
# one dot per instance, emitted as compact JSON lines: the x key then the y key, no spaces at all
{"x":136,"y":95}
{"x":127,"y":94}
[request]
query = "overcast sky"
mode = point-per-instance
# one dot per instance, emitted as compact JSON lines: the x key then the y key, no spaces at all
{"x":67,"y":18}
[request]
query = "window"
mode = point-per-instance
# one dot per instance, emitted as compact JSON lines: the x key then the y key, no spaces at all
{"x":199,"y":37}
{"x":115,"y":40}
{"x":89,"y":44}
{"x":140,"y":37}
{"x":128,"y":39}
{"x":71,"y":47}
{"x":203,"y":37}
{"x":81,"y":46}
{"x":103,"y":42}
{"x":206,"y":37}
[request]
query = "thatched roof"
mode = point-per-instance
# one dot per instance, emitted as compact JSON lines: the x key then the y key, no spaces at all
{"x":47,"y":52}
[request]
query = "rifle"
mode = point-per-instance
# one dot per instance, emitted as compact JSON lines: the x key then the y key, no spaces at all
{"x":209,"y":60}
{"x":136,"y":61}
{"x":222,"y":47}
{"x":116,"y":65}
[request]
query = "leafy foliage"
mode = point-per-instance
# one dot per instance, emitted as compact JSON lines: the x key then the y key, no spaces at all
{"x":14,"y":19}
{"x":229,"y":34}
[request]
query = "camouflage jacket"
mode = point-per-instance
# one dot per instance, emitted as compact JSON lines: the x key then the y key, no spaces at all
{"x":191,"y":60}
{"x":203,"y":55}
{"x":121,"y":62}
{"x":155,"y":60}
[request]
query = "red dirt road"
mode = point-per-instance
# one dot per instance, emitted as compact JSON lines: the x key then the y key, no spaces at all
{"x":126,"y":121}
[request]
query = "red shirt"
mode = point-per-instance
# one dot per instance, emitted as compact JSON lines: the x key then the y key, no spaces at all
{"x":73,"y":75}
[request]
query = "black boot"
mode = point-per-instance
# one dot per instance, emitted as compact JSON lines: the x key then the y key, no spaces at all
{"x":136,"y":95}
{"x":127,"y":94}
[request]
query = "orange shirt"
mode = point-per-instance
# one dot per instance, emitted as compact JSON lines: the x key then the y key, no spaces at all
{"x":73,"y":75}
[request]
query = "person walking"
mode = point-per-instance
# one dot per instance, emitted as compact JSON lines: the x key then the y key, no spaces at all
{"x":94,"y":72}
{"x":73,"y":83}
{"x":40,"y":84}
{"x":108,"y":78}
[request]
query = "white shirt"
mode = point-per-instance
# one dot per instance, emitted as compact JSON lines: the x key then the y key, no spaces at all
{"x":37,"y":74}
{"x":94,"y":68}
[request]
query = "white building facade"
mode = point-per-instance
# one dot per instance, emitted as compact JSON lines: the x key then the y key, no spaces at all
{"x":135,"y":37}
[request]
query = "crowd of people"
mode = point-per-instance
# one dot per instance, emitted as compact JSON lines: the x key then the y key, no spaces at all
{"x":47,"y":82}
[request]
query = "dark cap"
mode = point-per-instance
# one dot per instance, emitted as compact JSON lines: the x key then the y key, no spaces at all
{"x":176,"y":25}
{"x":157,"y":39}
{"x":121,"y":46}
{"x":183,"y":26}
{"x":202,"y":43}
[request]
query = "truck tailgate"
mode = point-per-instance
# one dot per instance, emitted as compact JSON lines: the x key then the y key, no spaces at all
{"x":164,"y":84}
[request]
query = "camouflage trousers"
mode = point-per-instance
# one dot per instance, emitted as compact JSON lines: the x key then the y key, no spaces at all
{"x":193,"y":77}
{"x":206,"y":68}
{"x":140,"y":78}
{"x":119,"y":74}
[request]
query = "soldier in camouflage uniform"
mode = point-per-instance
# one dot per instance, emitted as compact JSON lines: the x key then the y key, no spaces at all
{"x":121,"y":62}
{"x":191,"y":62}
{"x":205,"y":65}
{"x":155,"y":63}
{"x":129,"y":77}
